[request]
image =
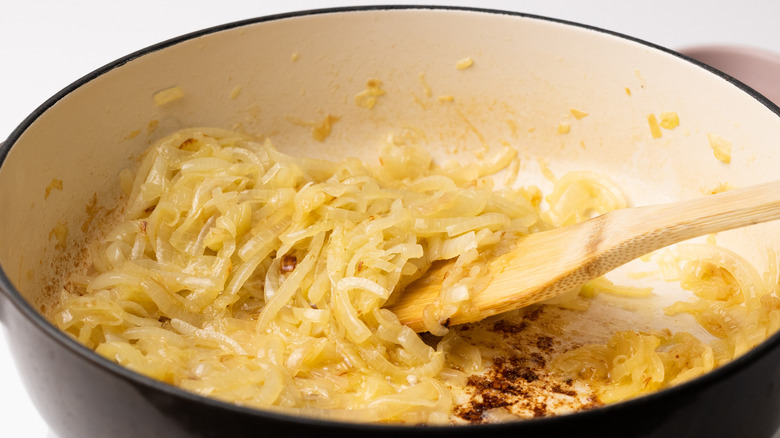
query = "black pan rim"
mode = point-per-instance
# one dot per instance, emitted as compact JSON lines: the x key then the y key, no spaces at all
{"x":33,"y":315}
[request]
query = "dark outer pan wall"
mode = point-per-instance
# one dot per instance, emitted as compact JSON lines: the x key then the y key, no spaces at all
{"x":83,"y":395}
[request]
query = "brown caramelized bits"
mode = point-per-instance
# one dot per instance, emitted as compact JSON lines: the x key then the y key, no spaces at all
{"x":288,"y":263}
{"x":545,"y":343}
{"x":507,"y":328}
{"x":517,"y":381}
{"x":522,"y":387}
{"x":560,"y":390}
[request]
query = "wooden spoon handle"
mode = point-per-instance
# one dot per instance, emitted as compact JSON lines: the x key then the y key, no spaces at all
{"x":633,"y":232}
{"x":618,"y":237}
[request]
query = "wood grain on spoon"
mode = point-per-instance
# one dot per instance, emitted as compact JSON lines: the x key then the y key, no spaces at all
{"x":546,"y":264}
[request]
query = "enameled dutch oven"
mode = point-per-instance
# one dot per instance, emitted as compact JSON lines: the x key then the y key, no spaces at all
{"x":267,"y":75}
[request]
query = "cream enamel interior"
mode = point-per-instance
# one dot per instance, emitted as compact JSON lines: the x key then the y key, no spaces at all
{"x":282,"y":74}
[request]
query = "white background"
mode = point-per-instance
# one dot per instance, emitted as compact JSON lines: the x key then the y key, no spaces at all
{"x":45,"y":45}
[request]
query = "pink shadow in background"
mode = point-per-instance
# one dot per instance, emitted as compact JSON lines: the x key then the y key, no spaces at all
{"x":757,"y":68}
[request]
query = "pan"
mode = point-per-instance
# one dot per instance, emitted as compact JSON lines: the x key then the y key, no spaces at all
{"x":467,"y":78}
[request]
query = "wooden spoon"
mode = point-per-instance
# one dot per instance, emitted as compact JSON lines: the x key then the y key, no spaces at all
{"x":543,"y":265}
